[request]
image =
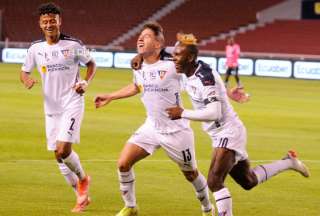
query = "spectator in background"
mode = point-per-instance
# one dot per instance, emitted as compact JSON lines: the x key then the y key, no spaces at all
{"x":232,"y":55}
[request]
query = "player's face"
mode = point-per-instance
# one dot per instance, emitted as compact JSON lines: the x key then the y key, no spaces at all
{"x":147,"y":42}
{"x":231,"y":41}
{"x":181,"y":58}
{"x":50,"y":24}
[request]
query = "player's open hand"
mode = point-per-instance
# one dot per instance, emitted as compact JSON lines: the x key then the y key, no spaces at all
{"x":29,"y":82}
{"x":80,"y":87}
{"x":101,"y":100}
{"x":174,"y":112}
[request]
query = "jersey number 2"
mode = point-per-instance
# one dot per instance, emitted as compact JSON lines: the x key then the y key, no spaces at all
{"x":72,"y":123}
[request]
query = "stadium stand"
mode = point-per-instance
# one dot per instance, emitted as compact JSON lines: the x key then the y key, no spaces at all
{"x":208,"y":18}
{"x":94,"y":22}
{"x":282,"y":36}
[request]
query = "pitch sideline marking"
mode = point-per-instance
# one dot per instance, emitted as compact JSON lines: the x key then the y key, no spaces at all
{"x":148,"y":160}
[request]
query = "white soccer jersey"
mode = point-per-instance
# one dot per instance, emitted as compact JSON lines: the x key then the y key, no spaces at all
{"x":58,"y":66}
{"x":160,"y":87}
{"x":206,"y":86}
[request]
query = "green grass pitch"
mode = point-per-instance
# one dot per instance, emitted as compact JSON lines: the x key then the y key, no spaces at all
{"x":282,"y":114}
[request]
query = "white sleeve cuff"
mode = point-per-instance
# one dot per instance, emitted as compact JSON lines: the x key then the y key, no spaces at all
{"x":212,"y":112}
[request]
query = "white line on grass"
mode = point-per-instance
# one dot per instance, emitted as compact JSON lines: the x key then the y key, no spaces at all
{"x":147,"y":160}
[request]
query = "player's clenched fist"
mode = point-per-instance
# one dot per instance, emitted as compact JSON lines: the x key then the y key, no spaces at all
{"x":80,"y":87}
{"x":174,"y":112}
{"x":101,"y":100}
{"x":27,"y":81}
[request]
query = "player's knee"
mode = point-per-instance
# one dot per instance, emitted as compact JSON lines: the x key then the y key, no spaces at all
{"x":248,"y":185}
{"x":61,"y":153}
{"x":123,"y":165}
{"x":191,"y":175}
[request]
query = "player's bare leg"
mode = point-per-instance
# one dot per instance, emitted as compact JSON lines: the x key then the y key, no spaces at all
{"x":236,"y":76}
{"x":201,"y":188}
{"x":69,"y":161}
{"x":228,"y":73}
{"x":221,"y":164}
{"x":244,"y":175}
{"x":130,"y":154}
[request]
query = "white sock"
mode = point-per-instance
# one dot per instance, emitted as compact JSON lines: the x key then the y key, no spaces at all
{"x":266,"y":171}
{"x":201,"y":187}
{"x":73,"y":162}
{"x":223,"y":202}
{"x":127,"y":187}
{"x":71,"y":178}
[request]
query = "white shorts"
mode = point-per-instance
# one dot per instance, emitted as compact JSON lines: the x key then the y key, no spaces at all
{"x":179,"y":145}
{"x":64,"y":127}
{"x":233,"y":137}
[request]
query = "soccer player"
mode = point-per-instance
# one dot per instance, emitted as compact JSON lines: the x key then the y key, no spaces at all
{"x":232,"y":55}
{"x":57,"y":59}
{"x":212,"y":107}
{"x":159,"y":84}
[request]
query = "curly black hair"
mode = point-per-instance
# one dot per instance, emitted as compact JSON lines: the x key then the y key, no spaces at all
{"x":49,"y":7}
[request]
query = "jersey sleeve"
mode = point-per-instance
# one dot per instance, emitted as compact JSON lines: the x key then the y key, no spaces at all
{"x":29,"y":62}
{"x":83,"y":54}
{"x":209,"y":94}
{"x":209,"y":88}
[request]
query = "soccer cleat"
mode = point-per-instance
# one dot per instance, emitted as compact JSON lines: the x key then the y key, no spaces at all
{"x":297,"y":165}
{"x":83,"y":187}
{"x":83,"y":191}
{"x":208,"y":213}
{"x":81,"y":207}
{"x":126,"y":211}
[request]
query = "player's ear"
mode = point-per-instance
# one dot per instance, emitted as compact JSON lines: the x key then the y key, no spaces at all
{"x":192,"y":58}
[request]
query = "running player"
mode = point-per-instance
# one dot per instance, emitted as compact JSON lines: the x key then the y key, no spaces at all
{"x":159,"y":84}
{"x":212,"y":107}
{"x":57,"y":59}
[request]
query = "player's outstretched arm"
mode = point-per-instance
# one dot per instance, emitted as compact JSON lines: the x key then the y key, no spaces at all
{"x":212,"y":112}
{"x":27,"y":81}
{"x":81,"y":86}
{"x":127,"y":91}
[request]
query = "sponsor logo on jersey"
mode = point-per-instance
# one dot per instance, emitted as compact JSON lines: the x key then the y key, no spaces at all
{"x":57,"y":67}
{"x":162,"y":74}
{"x":140,"y":87}
{"x":43,"y":69}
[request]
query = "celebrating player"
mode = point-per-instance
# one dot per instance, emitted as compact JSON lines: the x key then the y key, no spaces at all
{"x":57,"y":59}
{"x":211,"y":105}
{"x":159,"y":84}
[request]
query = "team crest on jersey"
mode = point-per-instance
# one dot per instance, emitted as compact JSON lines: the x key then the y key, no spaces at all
{"x":162,"y":74}
{"x":66,"y":53}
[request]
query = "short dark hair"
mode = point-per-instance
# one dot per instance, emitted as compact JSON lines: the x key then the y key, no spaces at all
{"x":49,"y":7}
{"x":156,"y":28}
